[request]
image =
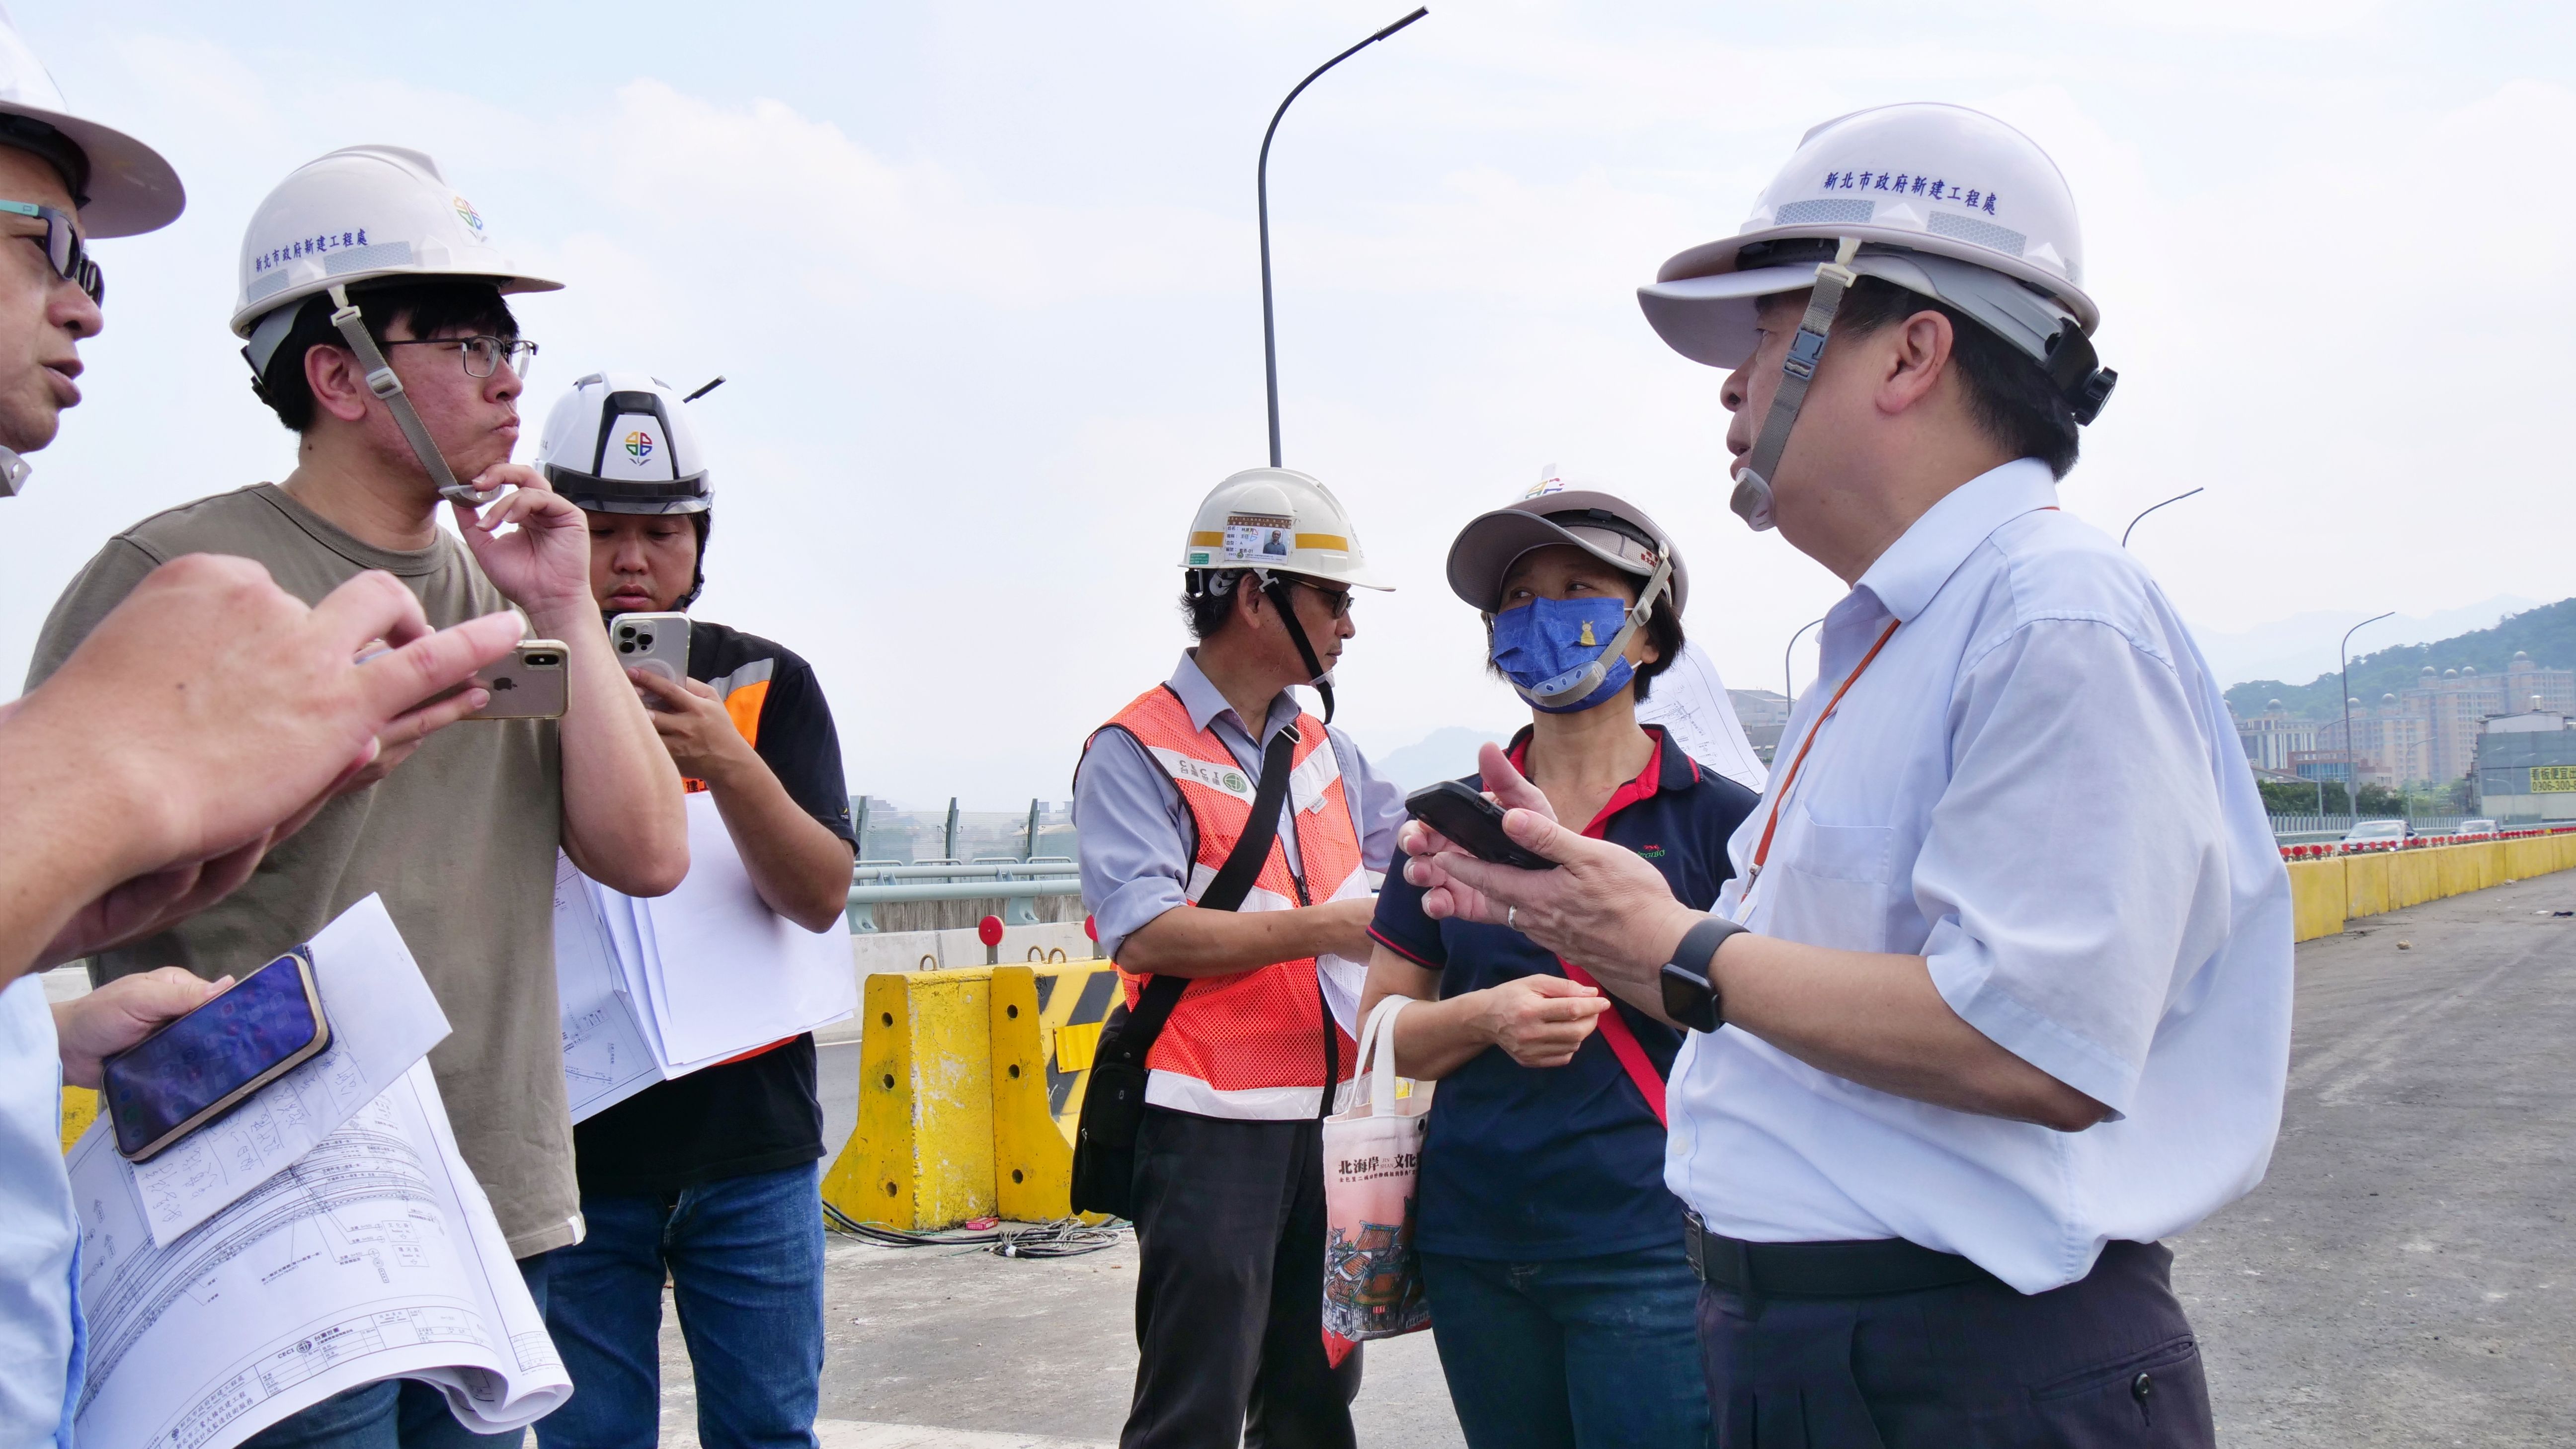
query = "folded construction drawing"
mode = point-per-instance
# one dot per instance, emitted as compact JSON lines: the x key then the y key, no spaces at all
{"x":374,"y":1256}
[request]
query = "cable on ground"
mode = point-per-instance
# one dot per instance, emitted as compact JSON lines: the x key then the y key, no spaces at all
{"x":1062,"y":1238}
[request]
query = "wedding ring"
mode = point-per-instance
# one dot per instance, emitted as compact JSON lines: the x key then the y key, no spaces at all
{"x":1510,"y":914}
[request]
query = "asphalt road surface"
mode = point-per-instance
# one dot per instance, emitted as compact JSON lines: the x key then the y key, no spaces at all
{"x":2403,"y":1276}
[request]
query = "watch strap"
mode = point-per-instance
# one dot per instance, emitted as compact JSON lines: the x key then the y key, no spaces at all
{"x":1687,"y":983}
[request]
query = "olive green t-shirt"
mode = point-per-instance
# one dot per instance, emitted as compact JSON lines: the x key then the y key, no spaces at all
{"x":459,"y":840}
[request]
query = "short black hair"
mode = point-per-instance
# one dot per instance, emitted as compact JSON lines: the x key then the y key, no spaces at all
{"x":1663,"y":630}
{"x":2009,"y":395}
{"x":429,"y":307}
{"x":1206,"y":610}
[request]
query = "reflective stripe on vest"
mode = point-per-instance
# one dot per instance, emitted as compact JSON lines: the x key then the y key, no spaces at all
{"x":1249,"y":1046}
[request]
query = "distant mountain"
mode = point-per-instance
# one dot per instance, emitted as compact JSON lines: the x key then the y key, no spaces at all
{"x":2547,"y":634}
{"x":2295,"y":647}
{"x":1445,"y":754}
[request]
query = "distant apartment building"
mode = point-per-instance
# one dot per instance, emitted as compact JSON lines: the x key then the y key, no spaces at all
{"x":2270,"y":738}
{"x":1764,"y":715}
{"x":2526,"y":767}
{"x":2429,"y":732}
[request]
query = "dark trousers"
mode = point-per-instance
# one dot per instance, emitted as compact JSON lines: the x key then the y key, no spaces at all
{"x":2106,"y":1360}
{"x":1230,"y":1289}
{"x":1571,"y":1353}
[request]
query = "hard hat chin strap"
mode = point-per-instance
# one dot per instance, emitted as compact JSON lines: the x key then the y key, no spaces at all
{"x":1590,"y":679}
{"x":388,"y":389}
{"x":1276,"y":586}
{"x":1752,"y":500}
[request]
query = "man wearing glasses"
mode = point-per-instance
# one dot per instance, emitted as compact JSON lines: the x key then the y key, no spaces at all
{"x":373,"y":304}
{"x":1227,"y":1189}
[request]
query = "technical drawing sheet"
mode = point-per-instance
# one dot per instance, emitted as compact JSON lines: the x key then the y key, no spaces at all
{"x":1690,"y":702}
{"x":375,"y":1256}
{"x":383,"y":1018}
{"x":607,"y":1058}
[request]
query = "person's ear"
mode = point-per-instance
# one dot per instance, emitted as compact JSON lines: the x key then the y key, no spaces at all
{"x":1916,"y":359}
{"x":338,"y":383}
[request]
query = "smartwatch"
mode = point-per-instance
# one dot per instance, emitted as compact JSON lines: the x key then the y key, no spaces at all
{"x":1689,"y":996}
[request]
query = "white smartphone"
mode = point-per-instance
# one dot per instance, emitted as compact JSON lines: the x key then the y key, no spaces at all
{"x":654,"y":643}
{"x":529,"y":682}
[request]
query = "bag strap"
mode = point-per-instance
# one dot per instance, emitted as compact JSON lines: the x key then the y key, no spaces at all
{"x":1624,"y":1045}
{"x":1162,"y":995}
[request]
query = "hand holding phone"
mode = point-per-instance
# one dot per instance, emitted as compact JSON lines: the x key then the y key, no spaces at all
{"x":1471,"y":822}
{"x":655,"y":643}
{"x":532,"y":681}
{"x":209,"y":1061}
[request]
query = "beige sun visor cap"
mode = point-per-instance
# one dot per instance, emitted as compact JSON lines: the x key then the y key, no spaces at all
{"x":131,"y":190}
{"x":1604,"y":525}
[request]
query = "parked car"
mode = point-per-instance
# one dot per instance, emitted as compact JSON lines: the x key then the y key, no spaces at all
{"x":2379,"y":832}
{"x":2475,"y":828}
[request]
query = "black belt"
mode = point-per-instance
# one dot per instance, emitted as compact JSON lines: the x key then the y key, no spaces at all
{"x":1864,"y":1269}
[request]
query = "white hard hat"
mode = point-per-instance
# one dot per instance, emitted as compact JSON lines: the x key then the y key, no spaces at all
{"x":359,"y":214}
{"x":620,"y":442}
{"x":1281,"y":521}
{"x":121,"y":186}
{"x":1945,"y":201}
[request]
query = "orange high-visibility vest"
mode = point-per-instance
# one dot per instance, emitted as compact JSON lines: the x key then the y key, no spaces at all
{"x":1251,"y":1045}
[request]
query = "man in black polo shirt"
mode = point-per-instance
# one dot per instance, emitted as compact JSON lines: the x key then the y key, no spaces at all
{"x":710,"y":1178}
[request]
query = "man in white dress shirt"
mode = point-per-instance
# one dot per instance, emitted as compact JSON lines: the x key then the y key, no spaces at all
{"x":2000,"y":995}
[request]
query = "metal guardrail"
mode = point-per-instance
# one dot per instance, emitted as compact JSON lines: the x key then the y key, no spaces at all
{"x":1016,"y":883}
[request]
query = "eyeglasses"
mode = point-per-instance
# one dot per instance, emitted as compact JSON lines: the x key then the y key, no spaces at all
{"x":483,"y":356}
{"x":63,"y":248}
{"x":1337,"y":602}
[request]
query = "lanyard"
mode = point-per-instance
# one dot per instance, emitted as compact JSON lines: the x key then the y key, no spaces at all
{"x":1789,"y":782}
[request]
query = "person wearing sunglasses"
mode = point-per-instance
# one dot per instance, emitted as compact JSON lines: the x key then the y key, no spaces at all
{"x":1238,"y":940}
{"x":373,"y":301}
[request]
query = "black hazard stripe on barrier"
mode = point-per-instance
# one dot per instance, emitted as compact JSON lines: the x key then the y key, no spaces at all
{"x":1073,"y":1003}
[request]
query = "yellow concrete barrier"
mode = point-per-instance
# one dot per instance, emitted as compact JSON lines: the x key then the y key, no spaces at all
{"x":2326,"y":893}
{"x":80,"y":1108}
{"x":970,"y":1081}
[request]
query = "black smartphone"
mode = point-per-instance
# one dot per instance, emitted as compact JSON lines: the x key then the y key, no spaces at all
{"x":1473,"y":822}
{"x":209,"y":1061}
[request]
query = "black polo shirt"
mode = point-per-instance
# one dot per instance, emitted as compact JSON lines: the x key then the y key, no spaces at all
{"x":756,"y":1113}
{"x":1524,"y":1163}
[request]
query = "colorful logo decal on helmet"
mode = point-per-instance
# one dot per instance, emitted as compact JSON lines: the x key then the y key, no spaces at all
{"x":639,"y":445}
{"x":466,"y":213}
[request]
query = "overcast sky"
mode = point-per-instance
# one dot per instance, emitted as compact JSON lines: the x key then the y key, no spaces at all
{"x":983,"y":278}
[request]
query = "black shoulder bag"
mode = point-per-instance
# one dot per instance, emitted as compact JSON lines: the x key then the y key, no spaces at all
{"x":1113,"y":1105}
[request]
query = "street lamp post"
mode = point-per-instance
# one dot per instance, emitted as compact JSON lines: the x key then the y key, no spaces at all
{"x":1788,"y":681}
{"x":1261,"y":184}
{"x":2351,"y":765}
{"x":2150,"y":508}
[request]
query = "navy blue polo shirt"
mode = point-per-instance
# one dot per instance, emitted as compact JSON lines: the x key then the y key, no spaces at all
{"x":1530,"y":1163}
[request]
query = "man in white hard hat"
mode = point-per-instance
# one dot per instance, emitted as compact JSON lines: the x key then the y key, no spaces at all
{"x":1202,"y":1120}
{"x":709,"y":1183}
{"x":372,"y":299}
{"x":146,"y":780}
{"x":2000,"y":994}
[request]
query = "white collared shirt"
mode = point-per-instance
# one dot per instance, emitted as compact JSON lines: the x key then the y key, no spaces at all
{"x":2036,"y":787}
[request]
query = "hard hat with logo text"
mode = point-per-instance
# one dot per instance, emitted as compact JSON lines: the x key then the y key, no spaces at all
{"x":365,"y":214}
{"x":620,"y":442}
{"x":1277,"y":520}
{"x":1939,"y":199}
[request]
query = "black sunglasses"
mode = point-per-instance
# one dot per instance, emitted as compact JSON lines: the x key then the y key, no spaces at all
{"x":63,"y":248}
{"x":1337,"y":602}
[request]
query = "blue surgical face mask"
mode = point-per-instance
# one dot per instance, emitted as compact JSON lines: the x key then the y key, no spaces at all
{"x":1544,"y":646}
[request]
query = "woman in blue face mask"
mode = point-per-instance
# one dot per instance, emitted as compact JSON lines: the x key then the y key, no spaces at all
{"x":1561,"y":1302}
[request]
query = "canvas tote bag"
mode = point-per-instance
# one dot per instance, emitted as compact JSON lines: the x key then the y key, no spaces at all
{"x":1372,"y":1168}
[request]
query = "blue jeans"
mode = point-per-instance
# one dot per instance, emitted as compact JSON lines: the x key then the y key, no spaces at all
{"x":1588,"y":1352}
{"x":745,"y":1260}
{"x":396,"y":1413}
